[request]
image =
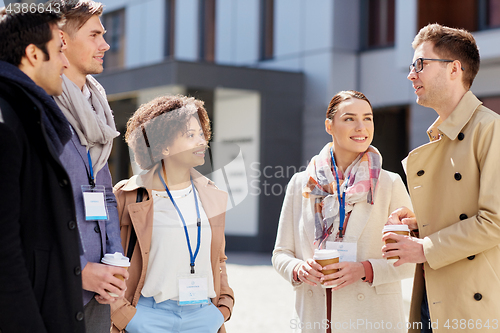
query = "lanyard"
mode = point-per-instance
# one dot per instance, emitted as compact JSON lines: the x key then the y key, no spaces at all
{"x":341,"y":197}
{"x":198,"y":222}
{"x":91,"y":176}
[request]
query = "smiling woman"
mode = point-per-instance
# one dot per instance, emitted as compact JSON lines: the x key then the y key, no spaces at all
{"x":342,"y":201}
{"x":175,"y":236}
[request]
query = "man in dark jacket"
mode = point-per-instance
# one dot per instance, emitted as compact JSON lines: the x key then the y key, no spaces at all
{"x":40,"y":274}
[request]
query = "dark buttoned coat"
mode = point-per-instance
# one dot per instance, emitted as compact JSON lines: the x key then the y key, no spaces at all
{"x":40,"y":275}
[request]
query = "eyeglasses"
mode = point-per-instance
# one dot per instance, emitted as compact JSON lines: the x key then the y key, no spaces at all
{"x":418,"y":64}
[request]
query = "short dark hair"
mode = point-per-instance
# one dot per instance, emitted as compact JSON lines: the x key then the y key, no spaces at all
{"x":157,"y":123}
{"x":343,"y":96}
{"x":453,"y":44}
{"x":18,"y":30}
{"x":77,"y":13}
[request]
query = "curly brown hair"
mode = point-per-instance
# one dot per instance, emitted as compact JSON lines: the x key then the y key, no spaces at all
{"x":340,"y":97}
{"x":155,"y":125}
{"x":454,"y":44}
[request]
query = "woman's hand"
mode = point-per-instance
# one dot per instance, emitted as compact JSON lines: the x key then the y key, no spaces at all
{"x":309,"y":272}
{"x":349,"y":273}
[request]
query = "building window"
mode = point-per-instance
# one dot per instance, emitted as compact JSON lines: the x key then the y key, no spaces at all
{"x":379,"y":18}
{"x":169,"y":28}
{"x":489,"y":14}
{"x":391,"y":136}
{"x":206,"y":30}
{"x":266,"y":29}
{"x":492,"y":102}
{"x":452,"y":13}
{"x":114,"y":23}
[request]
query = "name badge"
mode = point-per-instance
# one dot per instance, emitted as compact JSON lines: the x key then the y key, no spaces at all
{"x":193,"y":289}
{"x":93,"y":200}
{"x":347,"y":251}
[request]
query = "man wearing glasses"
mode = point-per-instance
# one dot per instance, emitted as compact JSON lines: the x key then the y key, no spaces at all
{"x":454,"y":187}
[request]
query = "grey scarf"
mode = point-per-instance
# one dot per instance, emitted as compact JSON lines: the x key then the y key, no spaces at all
{"x":94,"y":123}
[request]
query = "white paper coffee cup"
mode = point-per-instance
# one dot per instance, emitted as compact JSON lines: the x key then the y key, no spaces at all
{"x":399,"y":229}
{"x":326,"y":257}
{"x":116,"y":259}
{"x":396,"y":228}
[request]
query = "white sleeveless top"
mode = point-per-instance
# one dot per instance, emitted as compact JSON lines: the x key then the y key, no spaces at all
{"x":169,"y":253}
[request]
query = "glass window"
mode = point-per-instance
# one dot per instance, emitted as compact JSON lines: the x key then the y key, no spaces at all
{"x":489,"y":14}
{"x":114,"y":23}
{"x":266,"y":29}
{"x":452,"y":13}
{"x":492,"y":103}
{"x":206,"y":30}
{"x":381,"y":17}
{"x":494,"y":13}
{"x":169,"y":28}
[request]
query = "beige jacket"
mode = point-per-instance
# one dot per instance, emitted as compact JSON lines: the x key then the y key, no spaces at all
{"x":140,"y":215}
{"x":454,"y":184}
{"x":359,"y":304}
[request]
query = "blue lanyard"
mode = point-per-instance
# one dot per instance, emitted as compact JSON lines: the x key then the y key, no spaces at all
{"x":198,"y":222}
{"x":341,"y":197}
{"x":91,"y":178}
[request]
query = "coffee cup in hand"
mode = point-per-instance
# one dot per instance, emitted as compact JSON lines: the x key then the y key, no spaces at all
{"x":118,"y":260}
{"x":399,"y":229}
{"x":326,"y":257}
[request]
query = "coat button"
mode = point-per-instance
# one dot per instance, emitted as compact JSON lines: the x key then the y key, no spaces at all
{"x":458,"y":176}
{"x":310,"y":292}
{"x":71,"y":225}
{"x":78,"y":270}
{"x":361,"y":297}
{"x":97,"y":229}
{"x":461,"y":136}
{"x":471,"y":257}
{"x":463,"y":217}
{"x":63,"y":182}
{"x":79,"y":316}
{"x":420,"y":173}
{"x":478,"y":296}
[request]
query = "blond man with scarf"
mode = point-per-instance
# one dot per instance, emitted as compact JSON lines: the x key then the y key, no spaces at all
{"x":85,"y":158}
{"x":368,"y":296}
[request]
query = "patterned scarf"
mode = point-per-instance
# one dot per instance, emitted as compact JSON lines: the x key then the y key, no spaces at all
{"x":362,"y":176}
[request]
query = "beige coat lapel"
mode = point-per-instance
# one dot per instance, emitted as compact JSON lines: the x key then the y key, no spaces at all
{"x":357,"y":221}
{"x":143,"y":229}
{"x":307,"y":221}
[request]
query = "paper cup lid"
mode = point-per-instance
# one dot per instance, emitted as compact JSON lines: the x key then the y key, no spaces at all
{"x":325,"y":254}
{"x":395,"y":227}
{"x":115,"y":259}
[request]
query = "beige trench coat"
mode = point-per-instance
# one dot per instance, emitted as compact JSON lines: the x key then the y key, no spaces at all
{"x":140,"y":215}
{"x":454,"y":184}
{"x":361,"y":306}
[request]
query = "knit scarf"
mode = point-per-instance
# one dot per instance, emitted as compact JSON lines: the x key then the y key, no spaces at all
{"x":359,"y":183}
{"x":55,"y":124}
{"x":94,"y":124}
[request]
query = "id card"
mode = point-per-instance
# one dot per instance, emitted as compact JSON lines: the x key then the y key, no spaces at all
{"x":193,"y":289}
{"x":347,"y":251}
{"x":93,"y":200}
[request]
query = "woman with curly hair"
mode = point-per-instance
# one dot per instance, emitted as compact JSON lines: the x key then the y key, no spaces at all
{"x":172,"y":225}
